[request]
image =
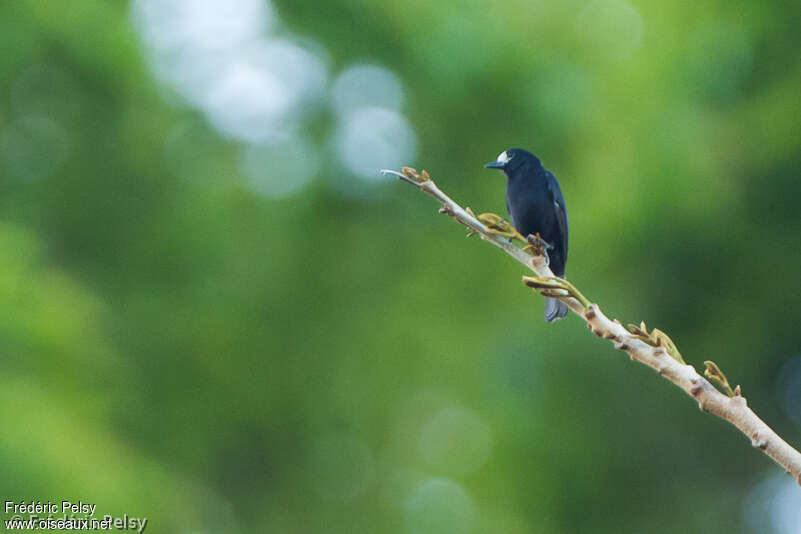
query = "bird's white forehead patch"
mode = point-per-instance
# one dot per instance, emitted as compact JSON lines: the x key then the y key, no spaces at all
{"x":504,"y":157}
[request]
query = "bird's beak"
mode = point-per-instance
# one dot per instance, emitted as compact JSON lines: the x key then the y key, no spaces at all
{"x":494,"y":165}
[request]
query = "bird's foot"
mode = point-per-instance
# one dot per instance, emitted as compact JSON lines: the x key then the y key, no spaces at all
{"x":537,"y":246}
{"x":499,"y":226}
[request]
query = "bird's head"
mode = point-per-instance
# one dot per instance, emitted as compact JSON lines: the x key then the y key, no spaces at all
{"x":512,"y":159}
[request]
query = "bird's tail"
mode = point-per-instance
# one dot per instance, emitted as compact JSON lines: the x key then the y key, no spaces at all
{"x":554,"y":309}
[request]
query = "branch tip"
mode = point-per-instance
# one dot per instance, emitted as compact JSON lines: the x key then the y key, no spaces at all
{"x":399,"y":176}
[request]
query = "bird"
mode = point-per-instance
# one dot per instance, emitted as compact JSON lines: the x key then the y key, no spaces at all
{"x":536,"y":205}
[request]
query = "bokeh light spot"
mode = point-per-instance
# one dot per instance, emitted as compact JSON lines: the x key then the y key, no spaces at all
{"x":280,"y":169}
{"x":372,"y":138}
{"x":774,"y":507}
{"x":217,"y":57}
{"x":207,"y":24}
{"x":257,"y":88}
{"x":367,"y":86}
{"x":298,"y":64}
{"x":246,"y":101}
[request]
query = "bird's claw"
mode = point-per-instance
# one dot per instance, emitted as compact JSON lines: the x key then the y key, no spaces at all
{"x":537,"y":246}
{"x":537,"y":241}
{"x":499,"y":226}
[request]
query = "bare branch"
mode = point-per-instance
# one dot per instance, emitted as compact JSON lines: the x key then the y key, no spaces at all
{"x":654,"y":349}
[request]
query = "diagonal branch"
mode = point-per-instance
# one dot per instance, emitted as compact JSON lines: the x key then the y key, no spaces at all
{"x":654,"y":349}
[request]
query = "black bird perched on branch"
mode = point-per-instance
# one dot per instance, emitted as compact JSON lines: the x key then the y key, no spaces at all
{"x":536,"y":206}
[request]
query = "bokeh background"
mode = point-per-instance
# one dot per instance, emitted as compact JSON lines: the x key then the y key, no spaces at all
{"x":217,"y":314}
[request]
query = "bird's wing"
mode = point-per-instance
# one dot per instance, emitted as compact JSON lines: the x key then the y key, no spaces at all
{"x":560,"y":209}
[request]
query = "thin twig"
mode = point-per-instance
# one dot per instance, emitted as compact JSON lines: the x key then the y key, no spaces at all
{"x":654,"y":349}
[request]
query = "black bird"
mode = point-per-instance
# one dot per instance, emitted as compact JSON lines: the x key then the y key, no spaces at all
{"x":536,"y":205}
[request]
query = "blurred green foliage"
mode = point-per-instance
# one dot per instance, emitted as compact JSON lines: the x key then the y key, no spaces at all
{"x":177,"y":346}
